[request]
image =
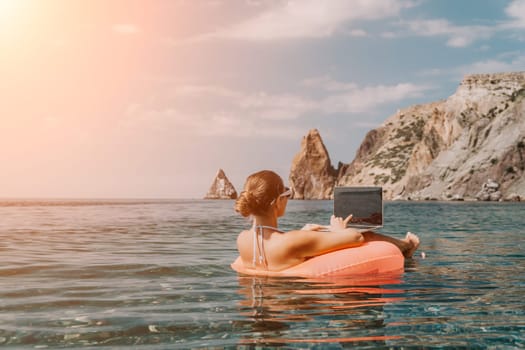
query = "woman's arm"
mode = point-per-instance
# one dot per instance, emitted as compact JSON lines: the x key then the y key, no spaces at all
{"x":305,"y":244}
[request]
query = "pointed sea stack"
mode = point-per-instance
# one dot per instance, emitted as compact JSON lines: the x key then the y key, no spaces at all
{"x":221,"y":188}
{"x":312,"y":175}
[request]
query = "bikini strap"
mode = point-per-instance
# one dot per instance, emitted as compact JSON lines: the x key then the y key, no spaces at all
{"x":258,"y":244}
{"x":269,"y":227}
{"x":254,"y":258}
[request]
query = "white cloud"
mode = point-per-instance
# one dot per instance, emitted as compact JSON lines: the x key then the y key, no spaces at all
{"x":215,"y":110}
{"x":516,"y":10}
{"x":276,"y":107}
{"x":514,"y":64}
{"x":125,"y":29}
{"x":325,"y":82}
{"x":232,"y":123}
{"x":458,"y":36}
{"x":390,"y":35}
{"x":297,"y":19}
{"x":311,"y":18}
{"x":487,"y":66}
{"x":366,"y":99}
{"x":459,"y":41}
{"x":506,"y":62}
{"x":200,"y":90}
{"x":259,"y":105}
{"x":430,"y":27}
{"x":348,"y":97}
{"x":357,"y":33}
{"x":253,"y":2}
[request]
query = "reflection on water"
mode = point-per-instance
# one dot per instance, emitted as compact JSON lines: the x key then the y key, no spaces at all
{"x":156,"y":275}
{"x":342,"y":309}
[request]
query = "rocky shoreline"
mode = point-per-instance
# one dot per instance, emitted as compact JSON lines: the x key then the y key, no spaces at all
{"x":445,"y":150}
{"x":468,"y":147}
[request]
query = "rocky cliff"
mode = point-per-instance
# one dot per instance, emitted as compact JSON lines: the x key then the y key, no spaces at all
{"x":469,"y":146}
{"x":312,"y":175}
{"x":221,"y":188}
{"x":449,"y":149}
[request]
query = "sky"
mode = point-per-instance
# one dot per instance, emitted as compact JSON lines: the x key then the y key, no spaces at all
{"x":149,"y":98}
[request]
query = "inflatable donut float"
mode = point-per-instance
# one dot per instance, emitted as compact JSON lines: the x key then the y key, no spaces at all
{"x":375,"y":257}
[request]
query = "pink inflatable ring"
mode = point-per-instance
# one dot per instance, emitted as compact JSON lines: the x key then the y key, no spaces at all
{"x":370,"y":258}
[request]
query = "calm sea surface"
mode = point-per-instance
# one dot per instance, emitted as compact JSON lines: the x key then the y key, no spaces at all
{"x":156,"y":275}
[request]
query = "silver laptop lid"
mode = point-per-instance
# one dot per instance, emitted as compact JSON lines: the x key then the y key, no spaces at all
{"x":364,"y":203}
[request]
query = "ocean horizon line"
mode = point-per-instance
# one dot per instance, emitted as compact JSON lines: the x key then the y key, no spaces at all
{"x":109,"y":200}
{"x":97,"y":198}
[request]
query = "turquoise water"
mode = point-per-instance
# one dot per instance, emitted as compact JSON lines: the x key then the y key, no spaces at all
{"x":156,"y":275}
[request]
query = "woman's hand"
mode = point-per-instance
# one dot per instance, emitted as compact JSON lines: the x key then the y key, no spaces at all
{"x":338,"y":224}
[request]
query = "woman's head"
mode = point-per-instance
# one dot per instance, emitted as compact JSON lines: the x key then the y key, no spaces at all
{"x":261,"y":191}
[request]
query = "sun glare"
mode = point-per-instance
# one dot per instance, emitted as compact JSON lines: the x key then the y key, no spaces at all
{"x":8,"y":9}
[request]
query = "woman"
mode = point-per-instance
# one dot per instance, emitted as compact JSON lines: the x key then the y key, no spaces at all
{"x":265,"y":247}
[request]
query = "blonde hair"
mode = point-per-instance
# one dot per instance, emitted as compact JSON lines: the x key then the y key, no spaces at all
{"x":259,"y":193}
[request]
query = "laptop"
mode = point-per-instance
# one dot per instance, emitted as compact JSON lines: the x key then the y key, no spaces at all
{"x":364,"y":203}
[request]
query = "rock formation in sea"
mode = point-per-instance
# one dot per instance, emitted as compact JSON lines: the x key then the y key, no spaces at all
{"x":312,"y":175}
{"x":221,"y":188}
{"x":445,"y":150}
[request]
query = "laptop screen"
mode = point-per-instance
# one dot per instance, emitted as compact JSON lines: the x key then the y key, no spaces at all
{"x":364,"y":203}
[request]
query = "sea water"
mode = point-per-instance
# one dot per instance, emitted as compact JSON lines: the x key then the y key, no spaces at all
{"x":156,"y":275}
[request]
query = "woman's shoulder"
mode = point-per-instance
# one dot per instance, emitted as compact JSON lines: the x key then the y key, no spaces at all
{"x":244,"y":233}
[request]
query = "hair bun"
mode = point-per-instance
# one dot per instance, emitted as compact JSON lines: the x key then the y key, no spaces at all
{"x":245,"y":203}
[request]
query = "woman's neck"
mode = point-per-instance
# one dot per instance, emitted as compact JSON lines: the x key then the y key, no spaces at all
{"x":265,"y":221}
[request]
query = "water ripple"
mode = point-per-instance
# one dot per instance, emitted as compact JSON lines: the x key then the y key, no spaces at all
{"x":156,"y":275}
